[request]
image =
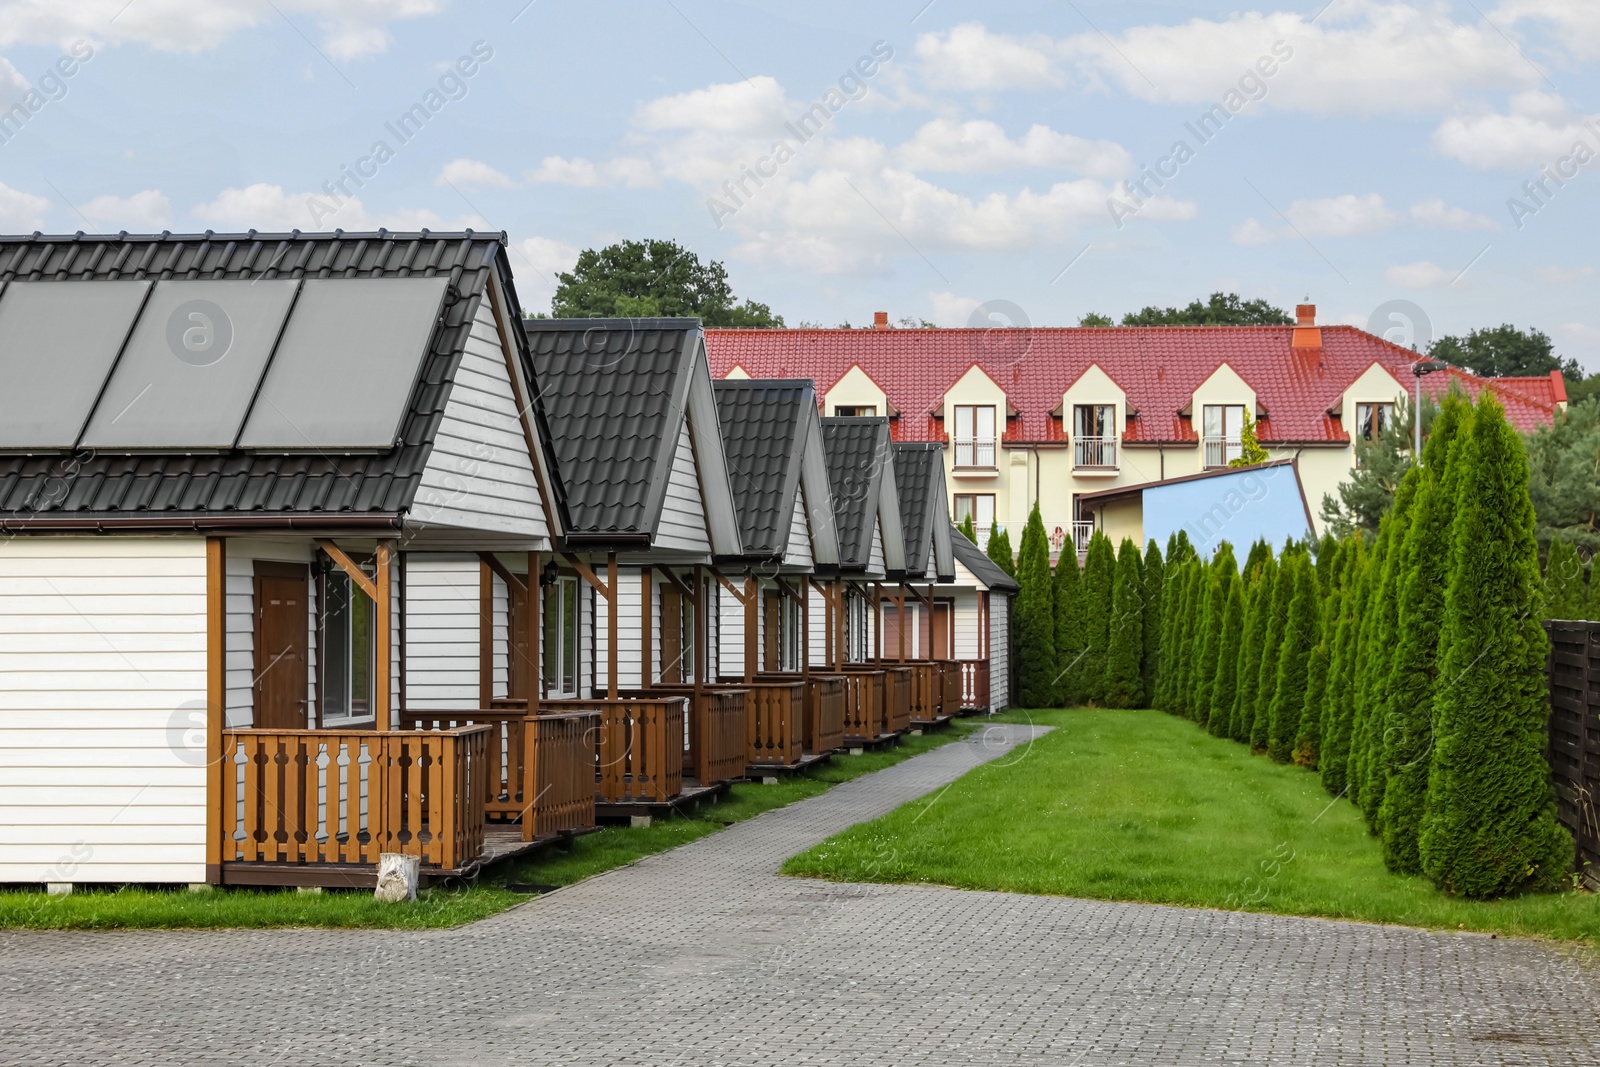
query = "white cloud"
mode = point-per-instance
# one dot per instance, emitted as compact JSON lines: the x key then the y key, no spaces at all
{"x":755,"y":106}
{"x":812,"y":254}
{"x":1538,"y":128}
{"x":13,"y":86}
{"x":536,"y":261}
{"x":148,"y":210}
{"x":1335,"y":216}
{"x":970,"y":57}
{"x":349,"y":28}
{"x":951,"y":309}
{"x":263,"y":206}
{"x":474,"y":174}
{"x":1438,"y":214}
{"x":629,"y":172}
{"x":1577,"y":22}
{"x":982,"y":146}
{"x":21,"y":212}
{"x":1557,"y":275}
{"x":1360,"y":57}
{"x":1421,"y":275}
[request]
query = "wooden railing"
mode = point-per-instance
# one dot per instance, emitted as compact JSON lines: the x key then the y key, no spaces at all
{"x":714,"y":744}
{"x":826,"y":697}
{"x":897,"y":683}
{"x":950,"y":699}
{"x":974,"y":683}
{"x":639,"y":746}
{"x":864,"y":718}
{"x":344,"y":796}
{"x":925,"y":691}
{"x":541,"y":768}
{"x":774,"y":723}
{"x":1573,"y":750}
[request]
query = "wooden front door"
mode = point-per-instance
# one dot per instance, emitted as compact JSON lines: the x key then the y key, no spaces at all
{"x":941,"y":630}
{"x":519,"y":665}
{"x":281,"y":626}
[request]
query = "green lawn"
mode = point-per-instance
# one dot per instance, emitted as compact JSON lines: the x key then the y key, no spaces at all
{"x":450,"y":904}
{"x":1143,"y":806}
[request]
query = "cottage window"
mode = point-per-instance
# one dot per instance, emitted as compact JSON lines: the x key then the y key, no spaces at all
{"x":561,"y":636}
{"x":974,"y":436}
{"x":347,"y":649}
{"x":850,"y":410}
{"x":1224,"y":433}
{"x":781,"y":644}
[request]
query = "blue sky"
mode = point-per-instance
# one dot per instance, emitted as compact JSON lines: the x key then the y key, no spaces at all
{"x":1366,"y":154}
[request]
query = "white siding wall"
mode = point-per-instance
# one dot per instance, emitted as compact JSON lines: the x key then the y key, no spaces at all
{"x":500,"y":617}
{"x":713,"y":631}
{"x":479,"y":474}
{"x":587,"y":599}
{"x":731,"y":633}
{"x":875,"y":560}
{"x":441,"y":631}
{"x":102,"y":710}
{"x":799,"y":535}
{"x":683,"y":513}
{"x":967,"y":621}
{"x":817,"y":609}
{"x":999,"y":652}
{"x":630,"y":607}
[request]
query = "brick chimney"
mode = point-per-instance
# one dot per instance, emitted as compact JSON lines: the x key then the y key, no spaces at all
{"x":880,"y":320}
{"x":1307,"y":336}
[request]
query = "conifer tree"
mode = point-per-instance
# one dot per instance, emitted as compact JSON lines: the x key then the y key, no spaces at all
{"x":999,"y":550}
{"x":1260,"y":552}
{"x":1413,"y":674}
{"x":1193,"y":598}
{"x":1225,"y":683}
{"x":1068,"y":628}
{"x":1490,"y":827}
{"x":1252,"y":722}
{"x":1099,"y":574}
{"x":1250,"y":582}
{"x":1378,"y":656}
{"x":1036,"y":644}
{"x":1283,"y":591}
{"x":1154,"y":584}
{"x":1338,"y":702}
{"x":968,"y":529}
{"x":1592,"y":604}
{"x":1124,"y":680}
{"x":1210,"y":637}
{"x":1308,"y":742}
{"x":1563,"y":591}
{"x":1294,"y":654}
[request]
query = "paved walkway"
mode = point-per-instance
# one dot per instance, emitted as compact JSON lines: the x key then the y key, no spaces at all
{"x":703,"y":956}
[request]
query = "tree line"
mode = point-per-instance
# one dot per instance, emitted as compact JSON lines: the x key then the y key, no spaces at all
{"x":1407,"y":670}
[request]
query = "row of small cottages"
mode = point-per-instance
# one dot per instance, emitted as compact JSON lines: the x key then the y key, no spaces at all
{"x":314,"y":548}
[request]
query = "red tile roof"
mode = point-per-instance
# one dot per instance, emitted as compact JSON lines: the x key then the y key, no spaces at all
{"x":1158,"y":367}
{"x":1529,"y":402}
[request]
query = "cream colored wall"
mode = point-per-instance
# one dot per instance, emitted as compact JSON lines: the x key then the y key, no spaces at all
{"x":1094,"y":386}
{"x":1223,"y":387}
{"x":855,"y":388}
{"x":1123,"y":518}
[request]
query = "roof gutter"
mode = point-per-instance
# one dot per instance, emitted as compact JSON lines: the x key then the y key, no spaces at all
{"x":622,"y":542}
{"x":321,"y":522}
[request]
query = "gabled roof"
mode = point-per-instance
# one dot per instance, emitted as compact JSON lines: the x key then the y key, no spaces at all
{"x":857,"y":450}
{"x":616,"y":394}
{"x":1159,"y":368}
{"x":235,"y":487}
{"x":982,"y":567}
{"x":764,"y":433}
{"x":919,"y":477}
{"x":1529,"y":402}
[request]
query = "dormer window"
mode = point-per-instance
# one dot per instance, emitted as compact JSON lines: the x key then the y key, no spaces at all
{"x":974,"y":435}
{"x":856,"y":410}
{"x":1094,"y":435}
{"x":1373,"y":419}
{"x":1224,"y":433}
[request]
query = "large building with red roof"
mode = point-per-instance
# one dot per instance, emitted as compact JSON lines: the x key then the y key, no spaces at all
{"x":1052,"y":414}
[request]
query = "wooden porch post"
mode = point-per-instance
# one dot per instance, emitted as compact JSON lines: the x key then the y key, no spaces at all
{"x":533,"y":605}
{"x":382,"y":637}
{"x":840,"y":628}
{"x":752,"y":621}
{"x":216,"y":698}
{"x":877,"y":622}
{"x":485,"y":634}
{"x":900,"y":607}
{"x":611,"y":626}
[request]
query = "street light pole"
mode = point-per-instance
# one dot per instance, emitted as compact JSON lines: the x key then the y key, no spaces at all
{"x":1418,"y":369}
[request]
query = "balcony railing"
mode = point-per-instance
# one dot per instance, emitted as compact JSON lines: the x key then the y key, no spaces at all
{"x":974,"y":452}
{"x":1219,"y":451}
{"x":1094,"y":452}
{"x":1082,"y":532}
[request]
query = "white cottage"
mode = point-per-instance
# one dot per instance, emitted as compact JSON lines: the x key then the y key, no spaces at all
{"x":982,"y":596}
{"x":248,"y":484}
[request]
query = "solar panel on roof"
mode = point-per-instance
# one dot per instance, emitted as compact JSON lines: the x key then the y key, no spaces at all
{"x":188,"y":373}
{"x":58,"y":341}
{"x":346,"y":364}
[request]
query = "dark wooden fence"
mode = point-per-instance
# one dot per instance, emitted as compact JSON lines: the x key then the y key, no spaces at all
{"x":1574,"y":751}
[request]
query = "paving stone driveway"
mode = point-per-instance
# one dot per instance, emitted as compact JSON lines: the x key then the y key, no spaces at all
{"x":702,"y":956}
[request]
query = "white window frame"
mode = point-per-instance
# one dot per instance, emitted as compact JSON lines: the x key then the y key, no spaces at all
{"x":974,"y":436}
